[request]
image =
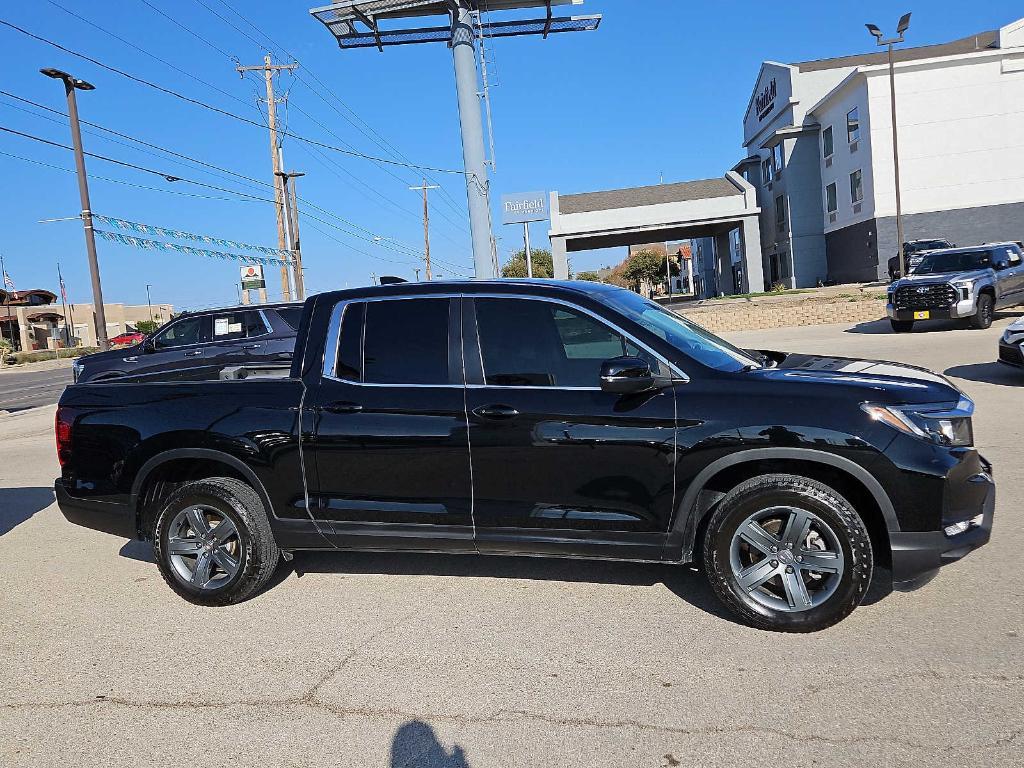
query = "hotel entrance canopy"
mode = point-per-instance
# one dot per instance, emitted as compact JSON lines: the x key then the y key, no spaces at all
{"x":663,"y":212}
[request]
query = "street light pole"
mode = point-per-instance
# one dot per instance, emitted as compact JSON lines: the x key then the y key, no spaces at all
{"x":291,"y":210}
{"x":901,"y":28}
{"x":149,"y":301}
{"x":71,"y":84}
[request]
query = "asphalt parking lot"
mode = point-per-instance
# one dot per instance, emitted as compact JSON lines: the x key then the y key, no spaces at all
{"x":24,"y":389}
{"x":429,"y":660}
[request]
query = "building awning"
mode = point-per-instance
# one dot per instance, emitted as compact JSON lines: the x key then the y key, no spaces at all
{"x":44,"y":317}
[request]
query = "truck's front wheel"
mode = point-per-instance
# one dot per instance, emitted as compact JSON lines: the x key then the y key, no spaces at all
{"x":213,"y":542}
{"x":787,"y":553}
{"x":982,"y":319}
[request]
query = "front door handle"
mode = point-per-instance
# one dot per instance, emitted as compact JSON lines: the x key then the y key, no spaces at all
{"x":194,"y":353}
{"x":343,"y":406}
{"x":496,"y":411}
{"x":250,"y":346}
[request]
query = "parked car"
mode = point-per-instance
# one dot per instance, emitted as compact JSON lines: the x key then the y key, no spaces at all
{"x":1011,"y":344}
{"x":913,"y":252}
{"x":132,"y":337}
{"x":562,"y":419}
{"x":198,"y":345}
{"x":959,"y":283}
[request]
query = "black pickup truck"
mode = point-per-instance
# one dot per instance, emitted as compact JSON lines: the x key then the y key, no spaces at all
{"x":563,"y":419}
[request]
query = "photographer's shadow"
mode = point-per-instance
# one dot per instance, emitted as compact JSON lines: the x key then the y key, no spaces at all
{"x":415,"y":745}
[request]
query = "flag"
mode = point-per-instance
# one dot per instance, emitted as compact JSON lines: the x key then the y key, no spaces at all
{"x":12,"y":294}
{"x":63,"y":290}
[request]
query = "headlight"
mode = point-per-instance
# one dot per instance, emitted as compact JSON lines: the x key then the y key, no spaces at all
{"x":964,"y":287}
{"x":942,"y":424}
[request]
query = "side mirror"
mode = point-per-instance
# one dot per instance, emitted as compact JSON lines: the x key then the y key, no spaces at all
{"x":1001,"y":263}
{"x":148,"y":345}
{"x":626,"y":375}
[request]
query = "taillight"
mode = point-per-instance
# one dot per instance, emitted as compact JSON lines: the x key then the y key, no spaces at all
{"x":62,"y":431}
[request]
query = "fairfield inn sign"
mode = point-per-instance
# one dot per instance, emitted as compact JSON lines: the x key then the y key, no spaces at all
{"x":765,"y":101}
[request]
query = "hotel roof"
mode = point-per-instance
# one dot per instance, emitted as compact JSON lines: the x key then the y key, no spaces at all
{"x":970,"y":44}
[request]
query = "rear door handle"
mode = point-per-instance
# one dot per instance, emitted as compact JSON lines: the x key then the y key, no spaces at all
{"x":250,"y":346}
{"x":496,"y":411}
{"x":194,"y":353}
{"x":343,"y":406}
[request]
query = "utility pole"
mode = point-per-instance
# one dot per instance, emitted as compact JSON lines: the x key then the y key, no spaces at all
{"x":426,"y":226}
{"x":291,"y":207}
{"x":527,"y":252}
{"x":269,"y":69}
{"x":149,"y":301}
{"x":71,"y":84}
{"x":7,"y":300}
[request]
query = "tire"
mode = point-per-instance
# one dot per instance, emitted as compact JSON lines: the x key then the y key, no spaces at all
{"x":902,"y":326}
{"x":238,"y":560}
{"x":773,"y":599}
{"x":982,"y":319}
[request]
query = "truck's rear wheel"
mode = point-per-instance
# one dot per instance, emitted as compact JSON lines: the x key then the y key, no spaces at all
{"x":788,"y":554}
{"x":213,"y":542}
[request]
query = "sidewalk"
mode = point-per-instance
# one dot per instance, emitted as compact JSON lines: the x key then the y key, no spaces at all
{"x":42,"y":365}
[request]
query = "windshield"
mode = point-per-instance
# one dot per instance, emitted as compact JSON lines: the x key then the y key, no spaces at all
{"x":687,"y":337}
{"x":957,"y":261}
{"x":924,"y":245}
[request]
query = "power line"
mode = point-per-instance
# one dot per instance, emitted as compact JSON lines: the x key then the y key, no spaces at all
{"x":218,"y":110}
{"x":122,"y":181}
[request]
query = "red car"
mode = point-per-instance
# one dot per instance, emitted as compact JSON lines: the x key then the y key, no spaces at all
{"x":128,"y":338}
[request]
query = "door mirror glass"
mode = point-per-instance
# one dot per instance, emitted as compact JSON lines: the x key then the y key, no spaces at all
{"x":624,"y":375}
{"x":148,"y":345}
{"x":1001,"y":262}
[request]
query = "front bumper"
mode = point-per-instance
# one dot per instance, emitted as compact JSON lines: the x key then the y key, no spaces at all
{"x":105,"y":516}
{"x":918,"y":555}
{"x":1011,"y":354}
{"x":953,"y":312}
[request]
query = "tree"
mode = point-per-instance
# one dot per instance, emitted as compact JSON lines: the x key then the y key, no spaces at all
{"x":146,"y":326}
{"x":543,"y":264}
{"x":644,"y":267}
{"x":591,"y":276}
{"x":5,"y":349}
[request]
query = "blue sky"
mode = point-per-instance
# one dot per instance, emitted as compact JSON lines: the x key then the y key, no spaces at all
{"x":659,"y":89}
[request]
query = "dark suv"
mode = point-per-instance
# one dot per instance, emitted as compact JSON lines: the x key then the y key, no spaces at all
{"x":199,"y":345}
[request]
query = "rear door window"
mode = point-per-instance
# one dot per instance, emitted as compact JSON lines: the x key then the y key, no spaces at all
{"x":231,"y":326}
{"x":405,"y":341}
{"x":291,"y":315}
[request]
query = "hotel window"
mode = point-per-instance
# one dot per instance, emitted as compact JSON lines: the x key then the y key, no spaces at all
{"x":766,"y":171}
{"x":777,"y":158}
{"x":856,"y":187}
{"x":780,"y":213}
{"x":826,"y":142}
{"x":852,"y":125}
{"x":831,"y":198}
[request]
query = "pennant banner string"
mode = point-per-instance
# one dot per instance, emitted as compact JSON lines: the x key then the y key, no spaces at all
{"x":151,"y":245}
{"x":177,"y":234}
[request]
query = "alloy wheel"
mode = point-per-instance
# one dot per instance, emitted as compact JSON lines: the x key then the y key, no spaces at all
{"x":203,"y":547}
{"x":786,"y":559}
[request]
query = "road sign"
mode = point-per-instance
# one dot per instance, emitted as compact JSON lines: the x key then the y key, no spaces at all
{"x":252,"y":277}
{"x":523,"y":207}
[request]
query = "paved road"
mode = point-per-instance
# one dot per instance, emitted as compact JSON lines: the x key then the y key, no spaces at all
{"x":431,"y":661}
{"x":29,"y":389}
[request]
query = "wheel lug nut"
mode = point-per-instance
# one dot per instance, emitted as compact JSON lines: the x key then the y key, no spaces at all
{"x":775,"y":549}
{"x":775,"y":563}
{"x":789,"y":569}
{"x":799,"y":558}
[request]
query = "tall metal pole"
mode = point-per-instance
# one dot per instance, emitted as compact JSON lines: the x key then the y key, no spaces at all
{"x":527,"y":252}
{"x":896,"y":165}
{"x":149,"y":300}
{"x":291,"y":210}
{"x":7,"y":300}
{"x":70,"y":85}
{"x":473,"y":155}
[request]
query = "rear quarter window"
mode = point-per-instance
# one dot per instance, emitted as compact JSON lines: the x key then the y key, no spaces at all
{"x":292,"y":316}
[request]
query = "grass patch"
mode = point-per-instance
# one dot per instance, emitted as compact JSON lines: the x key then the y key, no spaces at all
{"x":39,"y":355}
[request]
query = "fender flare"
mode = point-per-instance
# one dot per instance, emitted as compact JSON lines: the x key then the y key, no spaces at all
{"x":685,"y":525}
{"x":197,"y":453}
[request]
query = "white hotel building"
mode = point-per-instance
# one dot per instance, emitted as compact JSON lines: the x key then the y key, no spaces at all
{"x":818,"y":136}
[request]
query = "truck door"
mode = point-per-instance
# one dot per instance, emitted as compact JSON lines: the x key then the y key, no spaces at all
{"x":390,"y":443}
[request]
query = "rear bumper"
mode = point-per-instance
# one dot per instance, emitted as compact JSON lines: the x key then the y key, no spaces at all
{"x":918,"y":555}
{"x":105,"y":516}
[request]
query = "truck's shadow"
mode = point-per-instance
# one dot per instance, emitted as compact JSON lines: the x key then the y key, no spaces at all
{"x":19,"y":504}
{"x":685,"y":582}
